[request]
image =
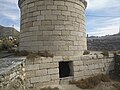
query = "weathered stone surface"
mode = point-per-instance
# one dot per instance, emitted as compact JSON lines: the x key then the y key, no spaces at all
{"x":52,"y":21}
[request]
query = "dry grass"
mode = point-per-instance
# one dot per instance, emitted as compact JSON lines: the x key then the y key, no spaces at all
{"x":21,"y":53}
{"x":45,"y":54}
{"x":105,"y":53}
{"x":31,"y":55}
{"x":86,"y":52}
{"x":49,"y":88}
{"x":116,"y":85}
{"x":91,"y":82}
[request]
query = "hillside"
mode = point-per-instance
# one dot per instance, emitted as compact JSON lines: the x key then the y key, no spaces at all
{"x":109,"y":42}
{"x":8,"y":32}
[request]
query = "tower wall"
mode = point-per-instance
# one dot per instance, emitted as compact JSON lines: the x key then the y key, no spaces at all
{"x":56,"y":26}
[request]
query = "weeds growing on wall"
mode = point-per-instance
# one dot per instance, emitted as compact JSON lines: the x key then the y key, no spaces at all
{"x":105,"y":53}
{"x":49,"y":88}
{"x":86,"y":52}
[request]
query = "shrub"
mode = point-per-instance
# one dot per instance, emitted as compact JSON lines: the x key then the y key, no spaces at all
{"x":49,"y":88}
{"x":105,"y":53}
{"x":0,"y":47}
{"x":86,"y":52}
{"x":7,"y":44}
{"x":32,"y":56}
{"x":91,"y":82}
{"x":45,"y":54}
{"x":21,"y":53}
{"x":118,"y":52}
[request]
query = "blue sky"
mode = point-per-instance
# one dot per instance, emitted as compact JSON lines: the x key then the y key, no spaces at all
{"x":96,"y":23}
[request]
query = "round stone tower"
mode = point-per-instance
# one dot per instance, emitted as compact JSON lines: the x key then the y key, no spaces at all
{"x":56,"y":26}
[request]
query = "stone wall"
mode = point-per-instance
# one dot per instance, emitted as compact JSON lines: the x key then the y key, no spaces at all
{"x":57,"y":26}
{"x":12,"y":74}
{"x":45,"y":71}
{"x":42,"y":71}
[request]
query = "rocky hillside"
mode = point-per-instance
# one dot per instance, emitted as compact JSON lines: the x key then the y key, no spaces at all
{"x":109,"y":42}
{"x":8,"y":32}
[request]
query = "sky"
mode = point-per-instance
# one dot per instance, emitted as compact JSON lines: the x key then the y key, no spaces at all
{"x":102,"y":16}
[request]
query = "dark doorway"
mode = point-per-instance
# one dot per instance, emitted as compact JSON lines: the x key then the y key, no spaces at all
{"x":65,"y":69}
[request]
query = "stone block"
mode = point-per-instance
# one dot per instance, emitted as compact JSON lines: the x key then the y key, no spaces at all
{"x":57,"y":58}
{"x":53,"y":48}
{"x":77,"y":63}
{"x":59,"y":27}
{"x":87,"y":72}
{"x":90,"y":67}
{"x":35,"y":79}
{"x":62,"y":7}
{"x":41,"y":72}
{"x":36,"y":23}
{"x":69,"y":4}
{"x":66,"y":13}
{"x":36,"y":13}
{"x":35,"y":28}
{"x":46,"y":22}
{"x":45,"y":65}
{"x":31,"y":5}
{"x":53,"y":71}
{"x":54,"y":65}
{"x":30,"y":74}
{"x":56,"y":32}
{"x":56,"y":22}
{"x":46,"y":12}
{"x":62,"y":17}
{"x":47,"y":32}
{"x":76,"y":68}
{"x":58,"y":2}
{"x":51,"y":17}
{"x":63,"y":48}
{"x":40,"y":17}
{"x":69,"y":27}
{"x":48,"y":2}
{"x":39,"y":3}
{"x":32,"y":67}
{"x":47,"y":43}
{"x":41,"y":8}
{"x":51,"y":7}
{"x":56,"y":12}
{"x":45,"y":78}
{"x":59,"y":43}
{"x":83,"y":68}
{"x":46,"y":60}
{"x":73,"y":48}
{"x":54,"y":77}
{"x":78,"y":74}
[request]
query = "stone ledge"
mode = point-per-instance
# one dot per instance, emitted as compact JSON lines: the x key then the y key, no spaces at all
{"x":83,"y":1}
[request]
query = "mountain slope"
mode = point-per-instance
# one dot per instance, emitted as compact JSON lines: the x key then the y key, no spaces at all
{"x":8,"y":31}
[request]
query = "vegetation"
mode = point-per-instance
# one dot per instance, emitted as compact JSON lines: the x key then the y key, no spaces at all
{"x":8,"y":44}
{"x":91,"y":82}
{"x":105,"y":53}
{"x":118,"y":52}
{"x":31,"y":55}
{"x":49,"y":88}
{"x":45,"y":54}
{"x":21,"y":53}
{"x":86,"y":52}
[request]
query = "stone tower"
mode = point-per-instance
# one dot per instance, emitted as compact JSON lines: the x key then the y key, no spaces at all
{"x":56,"y":26}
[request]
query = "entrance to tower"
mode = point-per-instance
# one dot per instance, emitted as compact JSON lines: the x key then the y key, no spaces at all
{"x":65,"y":69}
